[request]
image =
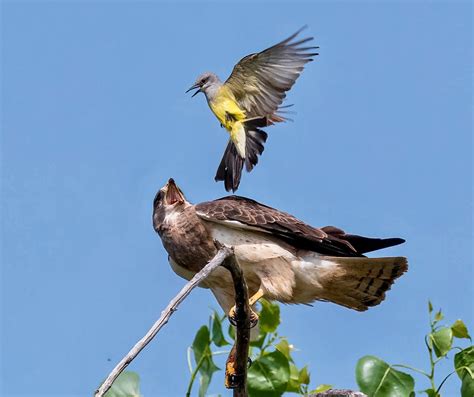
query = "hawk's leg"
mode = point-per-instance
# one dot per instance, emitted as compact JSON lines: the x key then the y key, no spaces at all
{"x":253,"y":316}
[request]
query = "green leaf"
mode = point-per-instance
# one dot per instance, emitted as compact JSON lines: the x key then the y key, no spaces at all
{"x":442,"y":341}
{"x":321,"y":388}
{"x":431,"y":393}
{"x":126,"y":385}
{"x":201,"y":343}
{"x":430,"y":307}
{"x":304,"y":375}
{"x":464,"y":364}
{"x":260,"y":340}
{"x":284,"y":347}
{"x":269,"y":375}
{"x":378,"y":379}
{"x":294,"y":384}
{"x":217,"y":334}
{"x":269,"y":317}
{"x":203,"y":357}
{"x":467,"y":388}
{"x":231,"y":331}
{"x":460,"y":330}
{"x":439,"y":316}
{"x":298,"y":378}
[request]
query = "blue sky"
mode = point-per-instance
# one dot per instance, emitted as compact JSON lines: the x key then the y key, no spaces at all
{"x":95,"y":120}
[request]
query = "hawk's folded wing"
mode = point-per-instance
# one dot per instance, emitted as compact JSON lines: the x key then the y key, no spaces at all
{"x":259,"y":81}
{"x":241,"y":212}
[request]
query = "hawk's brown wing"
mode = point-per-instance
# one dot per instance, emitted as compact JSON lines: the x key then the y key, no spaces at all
{"x":259,"y":81}
{"x":252,"y":214}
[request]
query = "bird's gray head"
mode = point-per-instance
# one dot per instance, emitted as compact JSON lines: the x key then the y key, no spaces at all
{"x":207,"y":83}
{"x":168,"y":201}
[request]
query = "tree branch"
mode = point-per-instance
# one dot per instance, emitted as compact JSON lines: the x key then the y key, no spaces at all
{"x":222,"y":255}
{"x":236,"y":365}
{"x":339,"y":393}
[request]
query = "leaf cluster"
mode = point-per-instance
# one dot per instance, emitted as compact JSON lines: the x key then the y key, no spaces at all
{"x":272,"y":372}
{"x":376,"y":378}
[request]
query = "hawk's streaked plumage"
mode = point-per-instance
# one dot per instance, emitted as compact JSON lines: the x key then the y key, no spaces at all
{"x":288,"y":260}
{"x":250,"y":99}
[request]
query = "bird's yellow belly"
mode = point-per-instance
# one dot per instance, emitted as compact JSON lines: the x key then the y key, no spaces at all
{"x":230,"y":115}
{"x":226,"y":110}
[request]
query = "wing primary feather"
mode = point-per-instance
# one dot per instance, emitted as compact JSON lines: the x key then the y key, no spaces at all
{"x":288,"y":39}
{"x":260,"y":81}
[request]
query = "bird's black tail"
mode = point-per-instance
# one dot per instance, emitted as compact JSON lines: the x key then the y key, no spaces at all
{"x":231,"y":165}
{"x":360,"y":243}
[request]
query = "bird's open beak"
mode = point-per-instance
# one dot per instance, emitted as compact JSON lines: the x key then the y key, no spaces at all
{"x":173,"y":193}
{"x":193,"y":88}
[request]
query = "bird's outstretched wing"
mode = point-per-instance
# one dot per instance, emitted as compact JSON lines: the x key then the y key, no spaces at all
{"x":244,"y":213}
{"x":259,"y":81}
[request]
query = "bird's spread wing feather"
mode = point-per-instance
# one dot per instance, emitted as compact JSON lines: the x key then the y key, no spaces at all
{"x":259,"y":81}
{"x":245,"y":213}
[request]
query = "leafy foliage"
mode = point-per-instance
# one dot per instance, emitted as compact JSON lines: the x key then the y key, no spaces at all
{"x":273,"y":371}
{"x":126,"y":385}
{"x":269,"y":318}
{"x":460,"y":330}
{"x":217,"y":334}
{"x":376,"y":378}
{"x":464,"y":364}
{"x":441,"y":341}
{"x":269,"y":374}
{"x":320,"y":389}
{"x":203,"y":357}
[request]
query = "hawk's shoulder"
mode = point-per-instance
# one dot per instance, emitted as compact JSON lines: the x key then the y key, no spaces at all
{"x":237,"y":211}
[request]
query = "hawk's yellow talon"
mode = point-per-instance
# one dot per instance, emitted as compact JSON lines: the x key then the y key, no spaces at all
{"x":253,"y":316}
{"x":233,"y":317}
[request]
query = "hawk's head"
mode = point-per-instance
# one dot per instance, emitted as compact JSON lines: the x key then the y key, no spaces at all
{"x":168,"y":201}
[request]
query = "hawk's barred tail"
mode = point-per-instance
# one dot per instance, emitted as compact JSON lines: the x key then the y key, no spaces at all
{"x":362,"y":282}
{"x":230,"y":167}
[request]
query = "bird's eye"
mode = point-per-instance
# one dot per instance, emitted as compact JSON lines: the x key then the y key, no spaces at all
{"x":158,"y":198}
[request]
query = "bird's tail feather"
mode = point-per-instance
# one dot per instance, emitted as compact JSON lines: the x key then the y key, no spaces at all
{"x":232,"y":163}
{"x":360,"y":243}
{"x":359,"y":283}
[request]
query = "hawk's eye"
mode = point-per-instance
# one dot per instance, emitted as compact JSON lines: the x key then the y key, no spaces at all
{"x":158,"y":198}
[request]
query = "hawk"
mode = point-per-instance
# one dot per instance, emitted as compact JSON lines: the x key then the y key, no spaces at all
{"x":250,"y":99}
{"x":282,"y":258}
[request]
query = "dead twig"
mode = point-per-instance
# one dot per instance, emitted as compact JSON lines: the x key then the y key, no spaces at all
{"x":222,"y":255}
{"x":236,"y":365}
{"x":339,"y":393}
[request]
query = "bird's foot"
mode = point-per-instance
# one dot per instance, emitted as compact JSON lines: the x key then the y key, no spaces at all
{"x":229,"y":117}
{"x":233,"y":317}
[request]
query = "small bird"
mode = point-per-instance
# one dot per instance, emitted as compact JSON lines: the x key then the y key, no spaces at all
{"x":282,"y":258}
{"x":250,"y":99}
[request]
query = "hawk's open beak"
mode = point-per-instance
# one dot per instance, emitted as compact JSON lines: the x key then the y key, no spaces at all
{"x":193,"y":88}
{"x":173,"y":193}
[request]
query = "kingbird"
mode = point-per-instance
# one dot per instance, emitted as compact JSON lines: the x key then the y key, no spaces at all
{"x":282,"y":258}
{"x":250,"y":99}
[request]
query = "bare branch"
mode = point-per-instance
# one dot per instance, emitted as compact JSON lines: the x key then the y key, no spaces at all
{"x":221,"y":256}
{"x":236,"y":365}
{"x":339,"y":393}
